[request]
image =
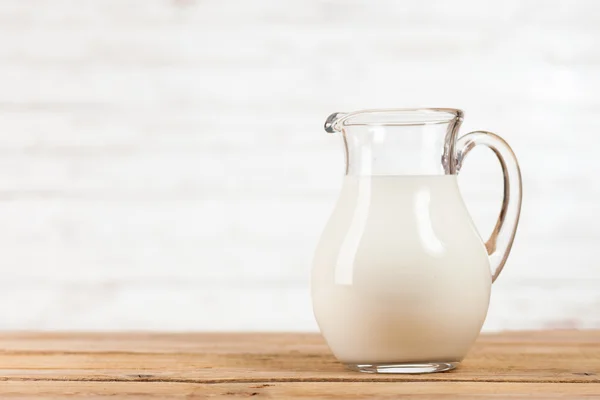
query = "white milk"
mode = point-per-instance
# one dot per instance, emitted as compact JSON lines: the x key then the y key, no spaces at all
{"x":400,"y":274}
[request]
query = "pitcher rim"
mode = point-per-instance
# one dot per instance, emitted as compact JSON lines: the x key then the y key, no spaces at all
{"x":420,"y":116}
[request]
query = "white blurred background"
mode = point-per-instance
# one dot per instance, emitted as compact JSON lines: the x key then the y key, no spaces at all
{"x":163,"y":164}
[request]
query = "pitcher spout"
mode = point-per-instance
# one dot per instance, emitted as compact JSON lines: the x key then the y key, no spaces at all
{"x":331,"y":124}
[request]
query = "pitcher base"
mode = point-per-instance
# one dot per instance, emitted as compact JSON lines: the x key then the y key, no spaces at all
{"x":403,"y":368}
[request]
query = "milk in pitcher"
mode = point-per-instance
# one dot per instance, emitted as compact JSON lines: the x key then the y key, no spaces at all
{"x":401,"y":274}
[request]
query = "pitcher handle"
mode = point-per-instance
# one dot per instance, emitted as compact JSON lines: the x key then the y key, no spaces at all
{"x":500,"y":242}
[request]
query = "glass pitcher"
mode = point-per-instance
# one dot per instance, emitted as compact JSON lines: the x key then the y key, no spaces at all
{"x":401,"y":278}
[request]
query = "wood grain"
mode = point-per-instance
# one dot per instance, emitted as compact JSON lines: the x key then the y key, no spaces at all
{"x":142,"y":365}
{"x":296,"y":390}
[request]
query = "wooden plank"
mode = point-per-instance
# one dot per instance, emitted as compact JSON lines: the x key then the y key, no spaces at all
{"x":146,"y":342}
{"x":563,"y":356}
{"x":296,"y":390}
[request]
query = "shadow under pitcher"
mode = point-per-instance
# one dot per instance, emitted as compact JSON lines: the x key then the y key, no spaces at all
{"x":401,"y":278}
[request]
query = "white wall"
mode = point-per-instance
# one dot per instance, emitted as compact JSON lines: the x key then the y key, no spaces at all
{"x":163,"y":163}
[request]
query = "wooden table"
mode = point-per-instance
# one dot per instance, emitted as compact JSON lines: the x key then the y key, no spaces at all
{"x":557,"y":364}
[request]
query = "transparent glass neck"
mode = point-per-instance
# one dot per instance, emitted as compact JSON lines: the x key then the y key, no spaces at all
{"x":398,"y":142}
